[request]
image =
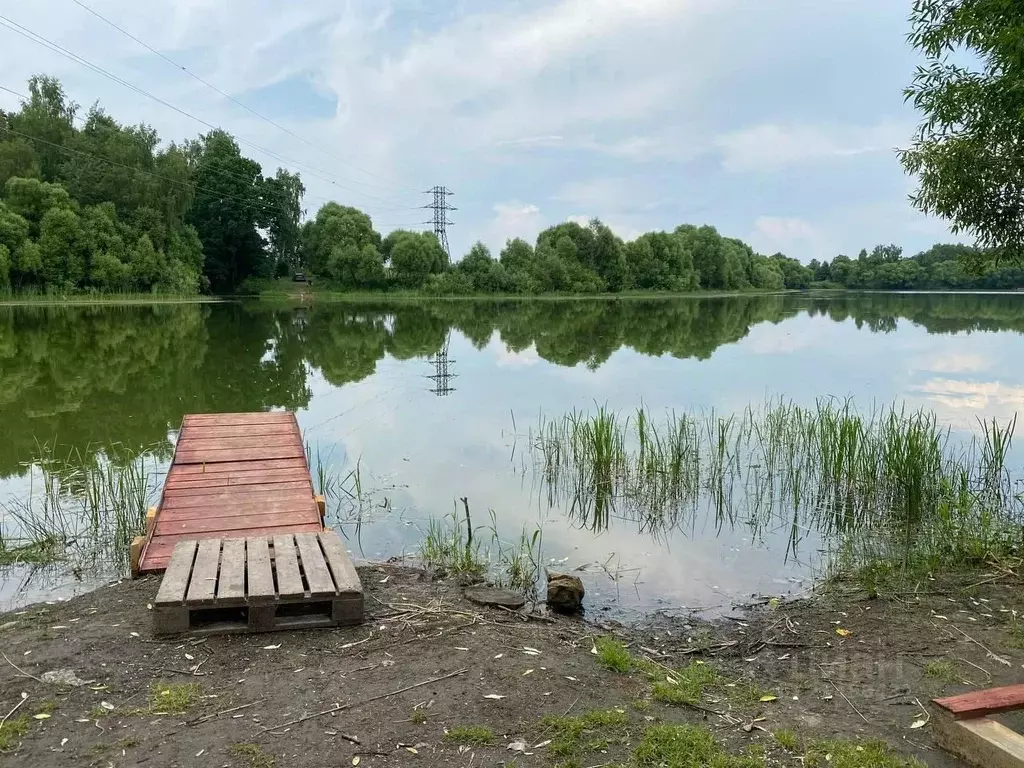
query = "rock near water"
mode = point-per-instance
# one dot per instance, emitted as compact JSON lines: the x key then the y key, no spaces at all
{"x":495,"y":596}
{"x":565,"y":593}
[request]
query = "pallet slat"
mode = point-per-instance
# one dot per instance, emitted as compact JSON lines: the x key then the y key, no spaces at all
{"x":286,"y":563}
{"x":317,"y":574}
{"x":203,"y":586}
{"x":344,"y":573}
{"x":261,"y":578}
{"x":231,"y":584}
{"x":175,"y":582}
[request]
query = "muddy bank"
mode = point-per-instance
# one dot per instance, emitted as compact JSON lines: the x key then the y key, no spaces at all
{"x":432,"y":679}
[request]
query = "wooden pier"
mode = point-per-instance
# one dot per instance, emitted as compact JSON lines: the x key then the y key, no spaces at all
{"x":234,"y":475}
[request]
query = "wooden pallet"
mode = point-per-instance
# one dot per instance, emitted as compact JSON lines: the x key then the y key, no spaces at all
{"x":965,"y":728}
{"x":258,"y":584}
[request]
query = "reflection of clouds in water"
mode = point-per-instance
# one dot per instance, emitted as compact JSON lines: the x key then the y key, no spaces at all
{"x":952,"y":362}
{"x":960,"y":403}
{"x":783,"y":339}
{"x":506,"y":358}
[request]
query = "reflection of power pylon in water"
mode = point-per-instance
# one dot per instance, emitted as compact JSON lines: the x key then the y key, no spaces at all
{"x":443,"y":375}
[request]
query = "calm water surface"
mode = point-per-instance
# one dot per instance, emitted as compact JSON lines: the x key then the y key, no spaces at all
{"x":435,"y":401}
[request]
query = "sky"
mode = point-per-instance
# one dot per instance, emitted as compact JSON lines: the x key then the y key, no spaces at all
{"x":776,"y":122}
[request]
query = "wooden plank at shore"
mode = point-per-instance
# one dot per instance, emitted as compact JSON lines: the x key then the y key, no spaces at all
{"x":345,"y":577}
{"x":294,"y":462}
{"x":203,"y":586}
{"x":257,"y":564}
{"x":236,"y":419}
{"x":231,"y":584}
{"x":986,"y":702}
{"x":286,"y":492}
{"x":176,"y":515}
{"x":218,"y":525}
{"x":237,"y":454}
{"x":175,"y":581}
{"x":286,"y":564}
{"x":271,"y":480}
{"x":982,"y":742}
{"x":317,"y":574}
{"x":251,"y":441}
{"x":207,"y":432}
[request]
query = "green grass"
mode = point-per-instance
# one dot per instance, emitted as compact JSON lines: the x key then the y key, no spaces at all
{"x":686,"y":746}
{"x":12,"y":732}
{"x":846,"y":754}
{"x":173,"y":699}
{"x":613,"y":655}
{"x":418,"y":716}
{"x":470,"y":735}
{"x":942,"y":670}
{"x":253,"y":754}
{"x":685,"y":685}
{"x":787,"y":739}
{"x":571,"y":736}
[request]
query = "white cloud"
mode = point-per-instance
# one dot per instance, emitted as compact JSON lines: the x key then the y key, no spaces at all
{"x":514,"y":219}
{"x":791,"y":236}
{"x":770,"y":147}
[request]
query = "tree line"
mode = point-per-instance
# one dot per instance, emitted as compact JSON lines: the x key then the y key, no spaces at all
{"x":90,"y":204}
{"x":103,"y":207}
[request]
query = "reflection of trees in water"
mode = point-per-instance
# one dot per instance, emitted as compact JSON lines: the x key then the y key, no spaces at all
{"x":114,"y":380}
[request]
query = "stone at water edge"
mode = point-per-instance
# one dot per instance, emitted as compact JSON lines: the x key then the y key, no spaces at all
{"x":495,"y":596}
{"x":565,"y":593}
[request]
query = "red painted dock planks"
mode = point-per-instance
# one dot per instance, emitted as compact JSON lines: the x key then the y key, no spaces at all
{"x":234,"y":475}
{"x":990,"y":701}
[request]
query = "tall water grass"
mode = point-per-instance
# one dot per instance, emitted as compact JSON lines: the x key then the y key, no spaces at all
{"x":80,"y":506}
{"x":888,"y":483}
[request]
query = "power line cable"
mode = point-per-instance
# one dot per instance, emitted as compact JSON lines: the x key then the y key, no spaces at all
{"x":244,"y":106}
{"x":39,"y":39}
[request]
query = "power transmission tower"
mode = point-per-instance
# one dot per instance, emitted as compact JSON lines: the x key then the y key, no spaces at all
{"x":440,"y":207}
{"x":442,"y":375}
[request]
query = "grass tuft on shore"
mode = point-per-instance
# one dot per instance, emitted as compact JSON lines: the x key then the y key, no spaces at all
{"x":470,"y":735}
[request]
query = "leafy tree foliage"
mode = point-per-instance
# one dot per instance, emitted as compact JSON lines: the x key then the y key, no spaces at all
{"x":969,"y":150}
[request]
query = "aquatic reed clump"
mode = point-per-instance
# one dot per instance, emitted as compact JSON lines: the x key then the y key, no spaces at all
{"x":889,"y":482}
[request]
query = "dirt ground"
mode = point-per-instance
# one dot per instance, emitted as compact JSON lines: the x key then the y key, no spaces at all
{"x":836,"y":666}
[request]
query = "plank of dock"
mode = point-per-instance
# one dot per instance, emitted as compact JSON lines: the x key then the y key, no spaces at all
{"x":990,"y":701}
{"x":233,"y":476}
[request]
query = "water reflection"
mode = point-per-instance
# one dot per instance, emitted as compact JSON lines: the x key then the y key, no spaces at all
{"x":114,"y":383}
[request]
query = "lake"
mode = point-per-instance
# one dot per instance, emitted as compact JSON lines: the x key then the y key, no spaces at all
{"x":436,"y":401}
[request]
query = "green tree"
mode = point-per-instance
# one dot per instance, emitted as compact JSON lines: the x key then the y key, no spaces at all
{"x":227,"y":212}
{"x":46,"y":117}
{"x":336,"y":226}
{"x":414,"y":256}
{"x":968,"y":154}
{"x":282,"y":195}
{"x":5,"y":268}
{"x":63,"y":247}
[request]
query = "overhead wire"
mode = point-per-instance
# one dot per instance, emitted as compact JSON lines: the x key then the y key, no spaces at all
{"x":56,"y":48}
{"x":244,"y":106}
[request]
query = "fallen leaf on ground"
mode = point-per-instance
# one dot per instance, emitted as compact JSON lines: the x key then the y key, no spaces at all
{"x":530,"y":651}
{"x":542,"y":744}
{"x":499,"y":655}
{"x":843,"y":632}
{"x":271,"y":647}
{"x":41,"y":716}
{"x":107,"y":705}
{"x":460,"y":648}
{"x":768,"y":697}
{"x":527,"y":672}
{"x":494,"y":696}
{"x":413,"y":750}
{"x":517,"y":746}
{"x":918,"y":724}
{"x":355,"y":760}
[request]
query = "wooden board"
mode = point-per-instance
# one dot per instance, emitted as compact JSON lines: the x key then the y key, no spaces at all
{"x":981,"y":703}
{"x":234,"y":475}
{"x":982,"y":742}
{"x":250,"y":591}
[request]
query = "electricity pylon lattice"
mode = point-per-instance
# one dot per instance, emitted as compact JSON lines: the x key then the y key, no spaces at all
{"x":441,"y":222}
